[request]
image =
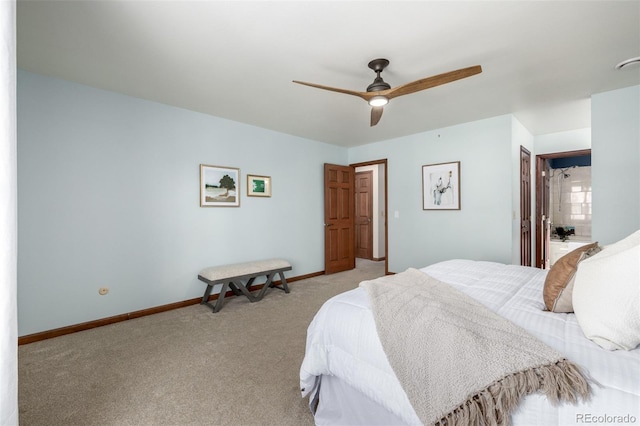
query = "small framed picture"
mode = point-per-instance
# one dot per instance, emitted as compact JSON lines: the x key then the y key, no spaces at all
{"x":441,"y":186}
{"x":219,"y":186}
{"x":258,"y":186}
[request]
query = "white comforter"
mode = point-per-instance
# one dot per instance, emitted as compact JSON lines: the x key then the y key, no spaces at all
{"x":342,"y":342}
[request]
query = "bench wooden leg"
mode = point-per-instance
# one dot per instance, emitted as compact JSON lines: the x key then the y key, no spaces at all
{"x":266,"y":285}
{"x":220,"y":301}
{"x":244,"y":289}
{"x":234,"y":288}
{"x":270,"y":284}
{"x":285,"y":287}
{"x":207,"y":294}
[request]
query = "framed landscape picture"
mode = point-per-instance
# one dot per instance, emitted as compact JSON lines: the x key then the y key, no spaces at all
{"x":219,"y":186}
{"x":258,"y":186}
{"x":441,"y":186}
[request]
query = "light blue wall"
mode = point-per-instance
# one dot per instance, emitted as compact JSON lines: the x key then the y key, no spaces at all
{"x":615,"y":164}
{"x":570,"y":140}
{"x":481,"y":229}
{"x":108,"y":191}
{"x":108,"y":196}
{"x":521,"y":137}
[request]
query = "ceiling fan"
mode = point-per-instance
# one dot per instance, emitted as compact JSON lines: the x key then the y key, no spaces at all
{"x":380,"y":92}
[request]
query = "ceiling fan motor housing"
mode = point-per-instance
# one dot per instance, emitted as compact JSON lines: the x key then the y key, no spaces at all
{"x":377,"y":65}
{"x":378,"y":85}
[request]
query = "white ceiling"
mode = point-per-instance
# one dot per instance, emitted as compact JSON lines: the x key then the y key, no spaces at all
{"x":541,"y":60}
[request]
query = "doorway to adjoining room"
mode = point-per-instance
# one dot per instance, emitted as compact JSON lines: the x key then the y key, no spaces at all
{"x":563,"y":204}
{"x":370,"y":216}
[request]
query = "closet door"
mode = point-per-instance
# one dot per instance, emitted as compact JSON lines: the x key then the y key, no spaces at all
{"x":339,"y":225}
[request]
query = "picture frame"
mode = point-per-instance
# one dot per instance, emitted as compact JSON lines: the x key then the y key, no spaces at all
{"x":219,"y":186}
{"x":441,"y":186}
{"x":258,"y":186}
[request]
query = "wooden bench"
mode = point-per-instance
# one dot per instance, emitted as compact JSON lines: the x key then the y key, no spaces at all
{"x":232,"y":277}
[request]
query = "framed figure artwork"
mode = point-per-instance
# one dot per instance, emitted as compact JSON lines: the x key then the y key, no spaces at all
{"x":441,"y":186}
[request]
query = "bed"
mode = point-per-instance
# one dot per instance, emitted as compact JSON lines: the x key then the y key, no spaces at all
{"x":349,"y":381}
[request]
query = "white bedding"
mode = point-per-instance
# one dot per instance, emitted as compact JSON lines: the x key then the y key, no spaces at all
{"x":342,"y":343}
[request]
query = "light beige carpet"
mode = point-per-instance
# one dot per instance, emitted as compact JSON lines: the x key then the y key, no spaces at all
{"x":188,"y":366}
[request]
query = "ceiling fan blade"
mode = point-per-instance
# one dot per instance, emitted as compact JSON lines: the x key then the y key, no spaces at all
{"x":376,"y":113}
{"x":405,"y":89}
{"x":364,"y":95}
{"x":429,"y":82}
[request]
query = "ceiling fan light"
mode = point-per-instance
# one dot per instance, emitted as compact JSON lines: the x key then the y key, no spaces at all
{"x":378,"y":101}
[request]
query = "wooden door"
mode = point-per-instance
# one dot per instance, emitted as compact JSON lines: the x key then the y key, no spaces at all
{"x":546,"y":217}
{"x":364,"y":215}
{"x":339,"y":218}
{"x":525,"y":207}
{"x":543,"y":211}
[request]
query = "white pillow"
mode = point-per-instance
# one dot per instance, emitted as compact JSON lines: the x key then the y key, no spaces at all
{"x":622,"y":245}
{"x":606,"y":295}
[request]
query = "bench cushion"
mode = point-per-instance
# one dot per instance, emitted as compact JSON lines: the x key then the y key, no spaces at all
{"x":220,"y":273}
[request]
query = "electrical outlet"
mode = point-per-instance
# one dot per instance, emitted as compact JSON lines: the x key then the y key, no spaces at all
{"x":103,"y":290}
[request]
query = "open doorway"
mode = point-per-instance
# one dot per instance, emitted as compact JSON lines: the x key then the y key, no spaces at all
{"x":340,"y":212}
{"x":371,"y":213}
{"x":563,"y":204}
